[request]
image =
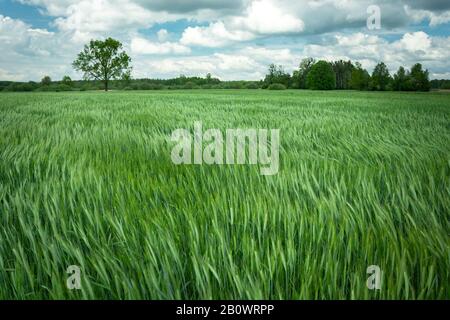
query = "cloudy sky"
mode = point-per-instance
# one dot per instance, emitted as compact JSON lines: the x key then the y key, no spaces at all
{"x":231,"y":39}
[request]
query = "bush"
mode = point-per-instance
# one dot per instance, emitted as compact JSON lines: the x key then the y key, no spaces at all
{"x":277,"y":86}
{"x":190,"y":85}
{"x":252,"y":85}
{"x":16,"y":87}
{"x":61,"y":87}
{"x":55,"y":88}
{"x":321,"y":77}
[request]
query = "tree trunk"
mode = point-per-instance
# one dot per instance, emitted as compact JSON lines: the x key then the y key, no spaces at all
{"x":106,"y":85}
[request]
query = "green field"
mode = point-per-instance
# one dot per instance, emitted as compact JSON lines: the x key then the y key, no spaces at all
{"x":86,"y":179}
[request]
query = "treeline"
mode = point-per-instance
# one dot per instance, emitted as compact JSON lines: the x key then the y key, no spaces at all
{"x":346,"y":75}
{"x":440,"y":84}
{"x":181,"y":82}
{"x":311,"y":74}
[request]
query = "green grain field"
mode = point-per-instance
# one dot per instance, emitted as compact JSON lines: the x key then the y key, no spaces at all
{"x":86,"y":179}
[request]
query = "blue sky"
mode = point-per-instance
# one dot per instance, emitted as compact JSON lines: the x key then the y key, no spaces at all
{"x":232,"y":39}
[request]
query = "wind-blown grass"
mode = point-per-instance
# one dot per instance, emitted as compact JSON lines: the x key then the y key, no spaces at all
{"x":86,"y":179}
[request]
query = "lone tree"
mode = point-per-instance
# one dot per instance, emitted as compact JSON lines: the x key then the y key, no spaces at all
{"x":321,"y":77}
{"x":103,"y":61}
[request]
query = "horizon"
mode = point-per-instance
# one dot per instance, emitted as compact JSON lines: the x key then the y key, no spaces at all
{"x":233,"y":40}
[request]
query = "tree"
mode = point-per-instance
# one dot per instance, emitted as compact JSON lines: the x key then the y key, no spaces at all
{"x":401,"y":80}
{"x":46,"y":81}
{"x":67,"y":80}
{"x":419,"y":78}
{"x":380,"y":77}
{"x":360,"y":78}
{"x":343,"y":70}
{"x":277,"y":75}
{"x":321,"y":77}
{"x":299,"y":76}
{"x":208,"y":77}
{"x":103,"y":61}
{"x":126,"y":79}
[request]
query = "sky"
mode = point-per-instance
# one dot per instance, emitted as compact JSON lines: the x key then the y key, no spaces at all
{"x":231,"y":39}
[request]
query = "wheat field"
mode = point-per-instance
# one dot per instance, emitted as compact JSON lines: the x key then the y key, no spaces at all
{"x":86,"y":179}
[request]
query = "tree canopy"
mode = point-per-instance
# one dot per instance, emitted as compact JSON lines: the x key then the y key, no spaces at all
{"x":103,"y":60}
{"x":419,"y":78}
{"x":360,"y":78}
{"x":321,"y":77}
{"x":46,"y":81}
{"x":299,"y":76}
{"x":277,"y":75}
{"x":380,"y":77}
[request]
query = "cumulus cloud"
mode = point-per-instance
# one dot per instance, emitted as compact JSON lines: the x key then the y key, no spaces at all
{"x":88,"y":18}
{"x":163,"y":35}
{"x":435,"y":18}
{"x":214,"y":35}
{"x":430,"y":5}
{"x":239,"y":18}
{"x":143,"y":46}
{"x":29,"y":53}
{"x":262,"y":17}
{"x":224,"y":66}
{"x":180,"y":6}
{"x":417,"y":41}
{"x":242,"y":36}
{"x":265,"y":17}
{"x":51,"y":7}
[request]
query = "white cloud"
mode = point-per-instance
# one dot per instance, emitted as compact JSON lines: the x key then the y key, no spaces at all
{"x":143,"y":46}
{"x":88,"y":18}
{"x":51,"y":7}
{"x":248,"y":63}
{"x":233,"y":28}
{"x":432,"y":52}
{"x":215,"y":35}
{"x":435,"y":18}
{"x":22,"y":39}
{"x":262,"y":17}
{"x":416,"y":41}
{"x":265,"y":17}
{"x":29,"y":53}
{"x":225,"y":66}
{"x":163,"y":35}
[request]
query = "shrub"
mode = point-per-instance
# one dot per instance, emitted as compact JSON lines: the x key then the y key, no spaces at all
{"x":55,"y":88}
{"x":61,"y":87}
{"x":190,"y":85}
{"x":277,"y":86}
{"x":30,"y":86}
{"x":252,"y":85}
